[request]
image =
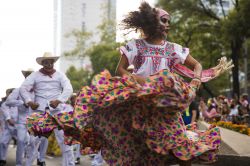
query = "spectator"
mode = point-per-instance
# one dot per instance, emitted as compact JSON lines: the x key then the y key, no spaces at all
{"x":209,"y":114}
{"x":191,"y":114}
{"x":234,"y":112}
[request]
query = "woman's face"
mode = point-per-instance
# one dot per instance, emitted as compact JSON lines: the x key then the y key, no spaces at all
{"x":165,"y":23}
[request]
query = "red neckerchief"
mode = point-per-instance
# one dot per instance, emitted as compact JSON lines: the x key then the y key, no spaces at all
{"x":47,"y":73}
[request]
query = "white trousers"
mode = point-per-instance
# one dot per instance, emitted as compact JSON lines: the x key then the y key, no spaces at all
{"x":36,"y":149}
{"x":8,"y":133}
{"x":77,"y":153}
{"x":98,"y":160}
{"x":67,"y":151}
{"x":22,"y":142}
{"x":42,"y":142}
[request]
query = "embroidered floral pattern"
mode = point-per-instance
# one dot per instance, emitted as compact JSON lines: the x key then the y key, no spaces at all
{"x":156,"y":53}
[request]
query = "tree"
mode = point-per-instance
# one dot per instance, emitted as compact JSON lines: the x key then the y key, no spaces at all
{"x":81,"y":37}
{"x":236,"y":27}
{"x":104,"y":55}
{"x":78,"y":78}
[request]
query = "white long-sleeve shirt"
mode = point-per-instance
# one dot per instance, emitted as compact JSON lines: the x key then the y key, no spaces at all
{"x":15,"y":100}
{"x":9,"y":112}
{"x":46,"y":88}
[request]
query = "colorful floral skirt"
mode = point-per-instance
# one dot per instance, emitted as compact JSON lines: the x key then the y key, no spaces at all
{"x":132,"y":124}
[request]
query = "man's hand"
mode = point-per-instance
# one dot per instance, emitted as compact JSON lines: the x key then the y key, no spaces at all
{"x":54,"y":103}
{"x":25,"y":105}
{"x":33,"y":105}
{"x":11,"y":122}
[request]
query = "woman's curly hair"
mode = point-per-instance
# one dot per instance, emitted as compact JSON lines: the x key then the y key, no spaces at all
{"x":145,"y":19}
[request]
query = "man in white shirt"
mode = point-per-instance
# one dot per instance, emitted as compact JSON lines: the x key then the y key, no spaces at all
{"x":10,"y":119}
{"x":51,"y":89}
{"x":15,"y":100}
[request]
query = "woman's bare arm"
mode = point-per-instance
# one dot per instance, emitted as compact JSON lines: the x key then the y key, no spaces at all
{"x":122,"y":70}
{"x":195,"y":65}
{"x":122,"y":66}
{"x":197,"y":68}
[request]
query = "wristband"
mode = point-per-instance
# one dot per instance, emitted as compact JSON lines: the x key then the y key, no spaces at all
{"x":197,"y":79}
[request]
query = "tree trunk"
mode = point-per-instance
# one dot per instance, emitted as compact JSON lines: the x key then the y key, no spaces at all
{"x":235,"y":49}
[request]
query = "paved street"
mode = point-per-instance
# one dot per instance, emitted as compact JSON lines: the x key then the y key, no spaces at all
{"x":50,"y":161}
{"x":228,"y":160}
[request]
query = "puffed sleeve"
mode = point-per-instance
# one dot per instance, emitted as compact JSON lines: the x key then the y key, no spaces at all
{"x":181,"y":52}
{"x":129,"y":50}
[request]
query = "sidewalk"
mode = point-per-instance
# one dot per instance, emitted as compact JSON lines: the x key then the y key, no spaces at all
{"x":234,"y":143}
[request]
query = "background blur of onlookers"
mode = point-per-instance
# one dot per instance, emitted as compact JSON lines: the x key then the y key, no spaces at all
{"x":221,"y":108}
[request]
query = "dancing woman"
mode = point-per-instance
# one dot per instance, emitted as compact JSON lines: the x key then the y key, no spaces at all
{"x":135,"y":119}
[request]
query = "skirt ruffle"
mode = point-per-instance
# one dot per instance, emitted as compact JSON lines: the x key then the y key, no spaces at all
{"x":132,"y":124}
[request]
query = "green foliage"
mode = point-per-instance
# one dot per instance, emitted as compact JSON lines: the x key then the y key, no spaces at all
{"x":237,"y":24}
{"x":107,"y":30}
{"x":81,"y":38}
{"x":78,"y":78}
{"x":104,"y":56}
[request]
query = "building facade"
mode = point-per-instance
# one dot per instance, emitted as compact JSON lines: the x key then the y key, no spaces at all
{"x":80,"y":15}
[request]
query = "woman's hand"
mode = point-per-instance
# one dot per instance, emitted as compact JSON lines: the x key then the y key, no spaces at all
{"x":139,"y":79}
{"x":223,"y":66}
{"x":196,"y":83}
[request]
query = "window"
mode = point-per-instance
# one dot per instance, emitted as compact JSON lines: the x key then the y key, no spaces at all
{"x":83,"y":26}
{"x":83,"y":9}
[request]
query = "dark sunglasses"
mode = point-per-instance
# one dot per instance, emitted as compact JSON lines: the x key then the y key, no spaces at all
{"x":49,"y":61}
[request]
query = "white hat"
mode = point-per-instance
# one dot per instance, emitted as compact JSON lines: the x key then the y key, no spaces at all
{"x":29,"y":70}
{"x":131,"y":67}
{"x":46,"y":55}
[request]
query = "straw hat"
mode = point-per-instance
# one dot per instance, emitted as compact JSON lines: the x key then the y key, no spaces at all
{"x":130,"y":68}
{"x":244,"y":94}
{"x":46,"y":55}
{"x":29,"y":70}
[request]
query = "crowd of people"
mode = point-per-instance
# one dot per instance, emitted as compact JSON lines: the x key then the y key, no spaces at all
{"x":221,"y":108}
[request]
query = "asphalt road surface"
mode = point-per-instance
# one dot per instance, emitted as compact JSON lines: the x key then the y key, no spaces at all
{"x":50,"y":161}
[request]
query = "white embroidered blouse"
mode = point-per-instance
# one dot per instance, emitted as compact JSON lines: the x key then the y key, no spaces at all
{"x":149,"y":59}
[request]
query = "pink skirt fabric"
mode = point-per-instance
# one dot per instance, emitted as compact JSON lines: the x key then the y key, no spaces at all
{"x":132,"y":125}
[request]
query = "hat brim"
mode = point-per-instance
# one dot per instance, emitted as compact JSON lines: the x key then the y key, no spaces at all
{"x":40,"y":59}
{"x":24,"y":72}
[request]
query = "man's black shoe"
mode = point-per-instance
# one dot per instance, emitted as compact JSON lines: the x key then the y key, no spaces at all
{"x":37,"y":162}
{"x":77,"y":161}
{"x":2,"y":162}
{"x":41,"y":163}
